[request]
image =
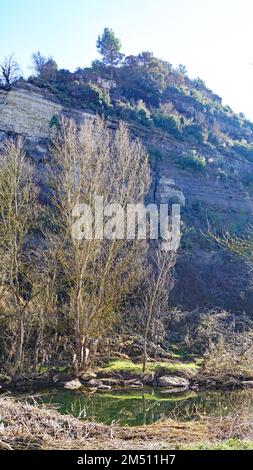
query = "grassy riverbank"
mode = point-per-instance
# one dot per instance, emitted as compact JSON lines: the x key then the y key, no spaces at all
{"x":27,"y":426}
{"x":170,"y":367}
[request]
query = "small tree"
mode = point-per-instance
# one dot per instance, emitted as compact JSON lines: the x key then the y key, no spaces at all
{"x":242,"y":247}
{"x":158,"y":286}
{"x":182,"y":69}
{"x":9,"y":69}
{"x":38,"y":62}
{"x":18,"y":212}
{"x":45,"y":68}
{"x":108,"y":45}
{"x":98,"y":273}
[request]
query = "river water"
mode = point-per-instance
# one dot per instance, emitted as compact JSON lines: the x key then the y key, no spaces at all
{"x":139,"y":407}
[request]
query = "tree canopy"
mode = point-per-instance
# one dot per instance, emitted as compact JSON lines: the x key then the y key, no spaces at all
{"x":109,"y":46}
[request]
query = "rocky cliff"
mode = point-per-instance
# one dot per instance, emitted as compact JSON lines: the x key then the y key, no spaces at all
{"x":219,"y":196}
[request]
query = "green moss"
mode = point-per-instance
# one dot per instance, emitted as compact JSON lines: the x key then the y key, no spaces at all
{"x":179,"y":353}
{"x":129,"y":366}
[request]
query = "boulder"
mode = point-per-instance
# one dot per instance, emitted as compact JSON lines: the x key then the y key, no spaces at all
{"x":86,"y":376}
{"x":20,"y":381}
{"x":147,"y":378}
{"x":72,"y":384}
{"x":136,"y":384}
{"x":172,"y":381}
{"x":25,"y":382}
{"x":94,"y":383}
{"x":111,"y":374}
{"x":104,"y":387}
{"x":62,"y":377}
{"x":111,"y":382}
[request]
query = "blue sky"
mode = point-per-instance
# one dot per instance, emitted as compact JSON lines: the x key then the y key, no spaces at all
{"x":213,"y":38}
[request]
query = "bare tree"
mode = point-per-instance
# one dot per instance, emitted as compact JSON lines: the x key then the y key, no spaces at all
{"x":18,"y":212}
{"x":241,"y":246}
{"x":38,"y":62}
{"x":158,"y":286}
{"x":99,"y":273}
{"x":45,"y":68}
{"x":9,"y":70}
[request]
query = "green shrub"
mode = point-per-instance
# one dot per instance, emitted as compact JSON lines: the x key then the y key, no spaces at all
{"x":194,"y":130}
{"x":138,"y":113}
{"x":222,"y":176}
{"x":54,"y":122}
{"x":93,"y":96}
{"x":168,"y":122}
{"x":192,"y":161}
{"x":155,"y":155}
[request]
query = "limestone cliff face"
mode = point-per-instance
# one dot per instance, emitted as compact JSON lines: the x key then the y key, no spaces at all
{"x":205,"y":276}
{"x":25,"y":112}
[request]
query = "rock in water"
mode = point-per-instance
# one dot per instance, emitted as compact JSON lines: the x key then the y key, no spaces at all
{"x":94,"y":383}
{"x":86,"y":376}
{"x":73,"y":385}
{"x":172,"y":381}
{"x":148,"y":378}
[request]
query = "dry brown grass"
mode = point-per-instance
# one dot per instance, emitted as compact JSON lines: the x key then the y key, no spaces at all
{"x":237,"y":426}
{"x":225,"y":358}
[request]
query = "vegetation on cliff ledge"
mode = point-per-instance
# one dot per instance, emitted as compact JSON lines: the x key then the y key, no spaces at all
{"x":141,"y":89}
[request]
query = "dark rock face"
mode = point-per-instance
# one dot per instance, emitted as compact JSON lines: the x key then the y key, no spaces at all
{"x":205,"y":276}
{"x":222,"y":381}
{"x":212,"y":280}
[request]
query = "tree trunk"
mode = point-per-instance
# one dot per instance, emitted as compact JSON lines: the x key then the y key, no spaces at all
{"x":144,"y":363}
{"x":82,"y":356}
{"x":20,"y":343}
{"x":145,"y":338}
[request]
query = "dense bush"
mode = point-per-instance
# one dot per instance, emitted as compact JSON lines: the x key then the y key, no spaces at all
{"x":193,"y":130}
{"x":168,"y":122}
{"x":191,"y":161}
{"x":93,"y":96}
{"x":136,"y":113}
{"x":199,"y":329}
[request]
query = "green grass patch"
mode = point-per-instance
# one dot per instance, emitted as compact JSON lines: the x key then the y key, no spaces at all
{"x":131,"y":367}
{"x":229,"y":444}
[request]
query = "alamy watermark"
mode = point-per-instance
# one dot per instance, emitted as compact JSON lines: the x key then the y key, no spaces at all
{"x":112,"y":221}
